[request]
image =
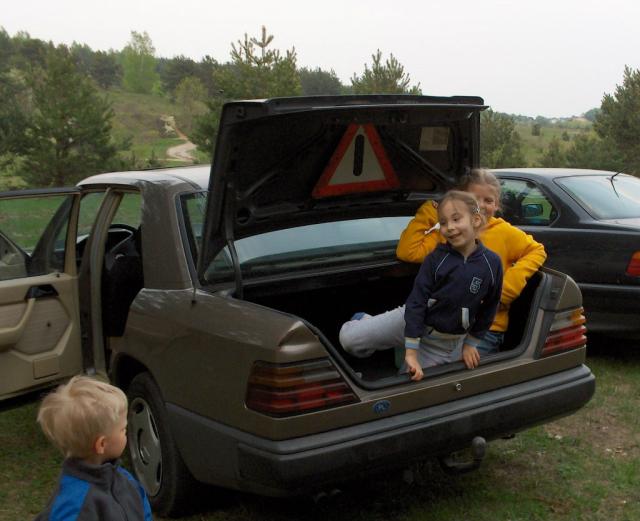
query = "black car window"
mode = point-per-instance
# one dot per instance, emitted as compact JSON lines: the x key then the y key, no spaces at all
{"x":523,"y":203}
{"x":605,"y":196}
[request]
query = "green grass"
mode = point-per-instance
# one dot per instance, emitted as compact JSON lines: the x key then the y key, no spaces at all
{"x":583,"y":467}
{"x":24,"y":220}
{"x":534,"y":147}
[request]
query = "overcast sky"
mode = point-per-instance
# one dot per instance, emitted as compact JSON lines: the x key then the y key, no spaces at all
{"x":541,"y":57}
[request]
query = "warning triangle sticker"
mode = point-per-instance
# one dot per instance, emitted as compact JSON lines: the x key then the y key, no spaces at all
{"x":359,"y":164}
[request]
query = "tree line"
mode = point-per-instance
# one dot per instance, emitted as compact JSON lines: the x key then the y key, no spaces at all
{"x":56,"y":121}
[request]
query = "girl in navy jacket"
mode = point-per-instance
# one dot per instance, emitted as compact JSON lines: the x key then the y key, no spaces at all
{"x":456,"y":293}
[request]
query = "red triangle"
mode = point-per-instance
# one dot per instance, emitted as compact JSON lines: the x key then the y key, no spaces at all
{"x":324,"y":186}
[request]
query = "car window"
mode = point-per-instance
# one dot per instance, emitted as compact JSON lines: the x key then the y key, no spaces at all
{"x":298,"y":248}
{"x":129,"y":210}
{"x":323,"y":245}
{"x":523,"y":203}
{"x":89,"y":206}
{"x":193,"y":210}
{"x":605,"y":197}
{"x":33,"y":233}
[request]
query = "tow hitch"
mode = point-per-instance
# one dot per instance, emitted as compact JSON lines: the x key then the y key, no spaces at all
{"x":451,"y":466}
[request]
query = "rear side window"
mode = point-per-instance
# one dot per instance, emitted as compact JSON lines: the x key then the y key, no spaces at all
{"x":193,"y":211}
{"x":523,"y":203}
{"x":605,"y":197}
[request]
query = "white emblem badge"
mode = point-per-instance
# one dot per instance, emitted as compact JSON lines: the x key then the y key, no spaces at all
{"x":476,"y":282}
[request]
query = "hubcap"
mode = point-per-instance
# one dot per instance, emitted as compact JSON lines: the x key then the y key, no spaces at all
{"x":144,"y":445}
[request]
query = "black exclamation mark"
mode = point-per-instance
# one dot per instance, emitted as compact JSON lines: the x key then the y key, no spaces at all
{"x":358,"y":155}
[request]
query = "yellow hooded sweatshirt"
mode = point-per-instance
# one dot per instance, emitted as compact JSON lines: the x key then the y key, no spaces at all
{"x":520,"y":254}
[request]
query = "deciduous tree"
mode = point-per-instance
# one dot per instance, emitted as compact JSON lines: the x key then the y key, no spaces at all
{"x":139,"y":64}
{"x":191,"y":95}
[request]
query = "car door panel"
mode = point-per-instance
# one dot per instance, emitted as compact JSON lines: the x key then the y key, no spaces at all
{"x":39,"y":311}
{"x":39,"y":336}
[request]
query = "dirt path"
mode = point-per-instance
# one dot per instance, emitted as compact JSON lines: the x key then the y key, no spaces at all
{"x":182,"y":152}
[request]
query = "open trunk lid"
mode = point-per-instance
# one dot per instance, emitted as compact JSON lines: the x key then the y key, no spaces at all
{"x":292,"y":161}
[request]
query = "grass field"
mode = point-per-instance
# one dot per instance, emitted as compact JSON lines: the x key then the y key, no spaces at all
{"x":583,"y":467}
{"x":534,"y":147}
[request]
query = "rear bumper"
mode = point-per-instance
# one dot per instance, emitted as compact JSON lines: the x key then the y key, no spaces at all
{"x":612,"y":308}
{"x":224,"y":456}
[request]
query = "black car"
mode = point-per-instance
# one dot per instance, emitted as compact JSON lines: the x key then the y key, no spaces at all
{"x":589,"y":223}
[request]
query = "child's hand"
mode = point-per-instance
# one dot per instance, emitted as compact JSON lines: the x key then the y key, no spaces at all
{"x":413,"y":365}
{"x":470,"y":356}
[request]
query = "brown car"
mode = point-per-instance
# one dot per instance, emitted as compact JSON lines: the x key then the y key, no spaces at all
{"x":214,"y":297}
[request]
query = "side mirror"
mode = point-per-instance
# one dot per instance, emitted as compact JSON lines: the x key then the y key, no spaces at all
{"x":531,"y":210}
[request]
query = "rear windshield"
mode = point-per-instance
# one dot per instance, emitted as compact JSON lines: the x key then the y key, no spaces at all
{"x":605,"y":197}
{"x":324,"y":245}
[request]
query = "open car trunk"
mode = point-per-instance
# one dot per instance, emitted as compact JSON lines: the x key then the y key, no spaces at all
{"x":325,"y":302}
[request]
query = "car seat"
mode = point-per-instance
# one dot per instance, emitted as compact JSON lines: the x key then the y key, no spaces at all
{"x":122,"y":279}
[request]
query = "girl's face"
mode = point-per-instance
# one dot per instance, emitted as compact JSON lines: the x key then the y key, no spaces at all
{"x":458,"y":225}
{"x":487,"y":197}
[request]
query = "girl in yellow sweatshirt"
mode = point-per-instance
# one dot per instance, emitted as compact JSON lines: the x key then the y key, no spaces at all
{"x":520,"y":254}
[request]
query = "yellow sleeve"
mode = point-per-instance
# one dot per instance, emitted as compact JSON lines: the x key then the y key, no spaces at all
{"x":415,"y":243}
{"x":526,"y":255}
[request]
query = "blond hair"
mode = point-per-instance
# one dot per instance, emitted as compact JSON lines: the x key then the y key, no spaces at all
{"x":466,"y":198}
{"x":78,"y":412}
{"x":480,"y":176}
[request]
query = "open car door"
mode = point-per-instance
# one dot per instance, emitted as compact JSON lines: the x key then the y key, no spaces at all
{"x":40,"y":340}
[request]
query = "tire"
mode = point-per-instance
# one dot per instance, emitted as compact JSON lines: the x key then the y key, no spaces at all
{"x":153,"y":452}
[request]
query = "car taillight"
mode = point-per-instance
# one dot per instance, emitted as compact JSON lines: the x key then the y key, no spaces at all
{"x":567,"y":332}
{"x":289,"y":389}
{"x":633,"y":269}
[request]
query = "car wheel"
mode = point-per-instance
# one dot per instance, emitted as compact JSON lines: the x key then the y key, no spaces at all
{"x":154,"y":455}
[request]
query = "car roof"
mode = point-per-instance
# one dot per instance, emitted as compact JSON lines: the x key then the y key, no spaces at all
{"x":197,"y":176}
{"x":551,"y":172}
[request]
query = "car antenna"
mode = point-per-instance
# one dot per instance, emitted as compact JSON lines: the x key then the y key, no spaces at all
{"x":614,"y":186}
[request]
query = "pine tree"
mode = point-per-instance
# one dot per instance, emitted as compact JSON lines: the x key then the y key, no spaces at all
{"x":69,"y":134}
{"x":619,"y":119}
{"x":384,"y":78}
{"x":255,"y":72}
{"x":500,"y":143}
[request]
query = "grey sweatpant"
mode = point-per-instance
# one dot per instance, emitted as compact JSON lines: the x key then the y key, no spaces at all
{"x":372,"y":333}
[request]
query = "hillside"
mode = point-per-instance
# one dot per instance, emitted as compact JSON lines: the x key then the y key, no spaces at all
{"x":565,"y":130}
{"x":140,"y":119}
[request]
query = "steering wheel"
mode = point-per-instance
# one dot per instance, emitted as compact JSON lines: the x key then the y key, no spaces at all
{"x":122,"y":226}
{"x":116,"y":244}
